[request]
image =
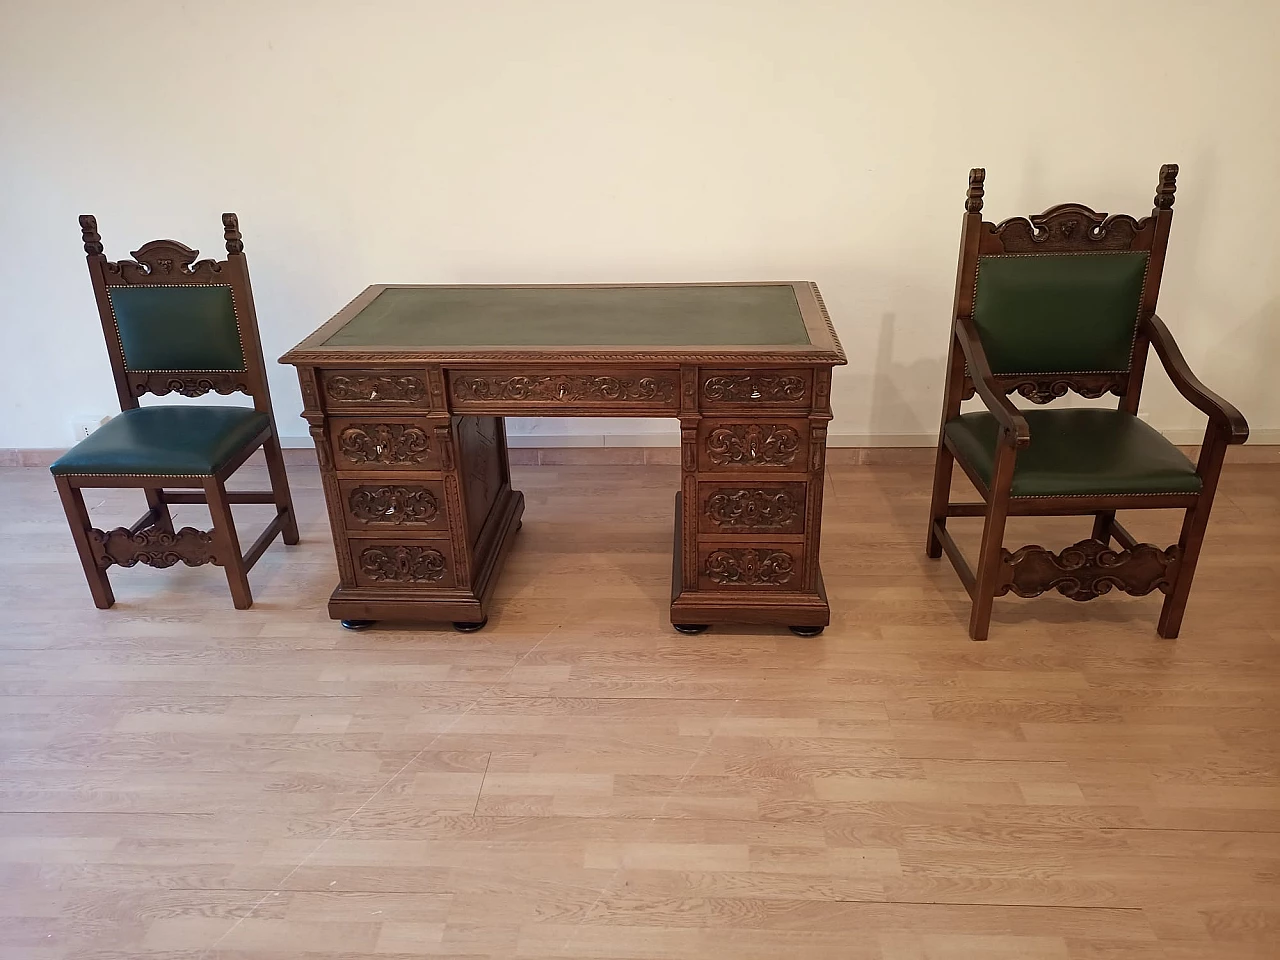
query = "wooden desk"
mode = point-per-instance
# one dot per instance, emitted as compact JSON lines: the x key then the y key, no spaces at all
{"x":405,"y":390}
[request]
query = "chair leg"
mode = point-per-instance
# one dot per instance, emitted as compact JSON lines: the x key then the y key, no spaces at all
{"x":280,"y":489}
{"x":156,"y":502}
{"x":1190,"y":540}
{"x":1102,"y":522}
{"x":78,"y":520}
{"x":228,"y":543}
{"x":941,"y":498}
{"x":984,"y":588}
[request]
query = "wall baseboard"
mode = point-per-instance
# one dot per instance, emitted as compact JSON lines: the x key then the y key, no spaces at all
{"x":580,"y":449}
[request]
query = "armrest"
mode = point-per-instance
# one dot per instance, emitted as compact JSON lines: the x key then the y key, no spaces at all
{"x":1220,"y":413}
{"x":1012,"y":423}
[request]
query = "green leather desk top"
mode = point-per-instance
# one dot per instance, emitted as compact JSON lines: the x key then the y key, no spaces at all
{"x":667,"y":320}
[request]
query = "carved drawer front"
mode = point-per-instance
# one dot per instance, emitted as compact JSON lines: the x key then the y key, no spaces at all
{"x":759,"y":565}
{"x":527,"y":388}
{"x":764,"y":445}
{"x":390,"y":506}
{"x":750,"y":508}
{"x":757,"y":388}
{"x":403,"y":564}
{"x":383,"y":443}
{"x":389,"y":389}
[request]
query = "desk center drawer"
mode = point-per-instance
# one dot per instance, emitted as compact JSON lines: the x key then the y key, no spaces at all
{"x":595,"y":390}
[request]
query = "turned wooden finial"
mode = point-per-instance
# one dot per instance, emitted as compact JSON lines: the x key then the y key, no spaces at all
{"x":1168,"y":184}
{"x":231,"y":233}
{"x":89,"y":235}
{"x":974,"y":202}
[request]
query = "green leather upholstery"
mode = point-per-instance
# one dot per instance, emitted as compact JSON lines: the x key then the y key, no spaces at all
{"x":187,"y":327}
{"x":1078,"y":453}
{"x":186,"y":440}
{"x":1058,"y":313}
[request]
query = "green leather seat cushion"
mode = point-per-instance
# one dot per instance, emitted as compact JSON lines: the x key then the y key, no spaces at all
{"x":1078,"y":453}
{"x":174,"y":440}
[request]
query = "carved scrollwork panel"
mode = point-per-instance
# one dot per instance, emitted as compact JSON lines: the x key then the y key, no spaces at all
{"x":1068,"y":228}
{"x":166,"y":262}
{"x":371,"y":388}
{"x":659,"y":389}
{"x":153,"y":546}
{"x":393,"y":504}
{"x":1048,"y":387}
{"x":1087,"y":569}
{"x":753,"y":445}
{"x":732,"y":567}
{"x":776,"y":509}
{"x":401,"y":563}
{"x":751,"y":388}
{"x":195,"y":385}
{"x":390,"y":444}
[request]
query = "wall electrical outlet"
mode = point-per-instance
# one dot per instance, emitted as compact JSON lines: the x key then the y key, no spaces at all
{"x":81,"y":427}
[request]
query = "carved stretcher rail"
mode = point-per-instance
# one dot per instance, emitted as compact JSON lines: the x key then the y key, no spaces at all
{"x":154,"y":547}
{"x":1087,"y":570}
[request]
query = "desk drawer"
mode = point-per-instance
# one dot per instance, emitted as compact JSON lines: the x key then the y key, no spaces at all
{"x":758,"y":565}
{"x":389,"y":389}
{"x":750,"y":445}
{"x":745,"y":509}
{"x":383,"y":443}
{"x":389,"y":506}
{"x":592,"y":391}
{"x":403,"y":563}
{"x":757,"y":388}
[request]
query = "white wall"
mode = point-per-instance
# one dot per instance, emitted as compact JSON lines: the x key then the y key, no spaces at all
{"x":663,"y":140}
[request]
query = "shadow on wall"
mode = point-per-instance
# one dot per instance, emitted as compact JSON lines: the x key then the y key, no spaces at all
{"x":897,"y":389}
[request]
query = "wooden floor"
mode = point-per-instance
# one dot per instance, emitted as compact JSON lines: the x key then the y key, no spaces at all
{"x":182,"y":780}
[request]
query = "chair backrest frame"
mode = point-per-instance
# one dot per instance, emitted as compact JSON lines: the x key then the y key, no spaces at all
{"x":168,"y":263}
{"x":1065,"y":229}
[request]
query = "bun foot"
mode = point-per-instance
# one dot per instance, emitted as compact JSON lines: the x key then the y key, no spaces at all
{"x":806,"y":631}
{"x":358,"y":624}
{"x":463,"y":626}
{"x":690,"y":628}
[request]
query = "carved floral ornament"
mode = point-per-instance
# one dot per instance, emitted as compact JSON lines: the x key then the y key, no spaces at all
{"x":755,"y":507}
{"x":393,"y":504}
{"x":402,"y":564}
{"x":754,"y":388}
{"x":389,"y":443}
{"x":753,"y":444}
{"x":1088,"y":569}
{"x":153,"y":546}
{"x":388,"y":389}
{"x":731,"y":567}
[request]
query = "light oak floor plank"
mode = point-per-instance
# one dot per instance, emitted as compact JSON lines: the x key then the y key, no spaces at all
{"x":183,"y":780}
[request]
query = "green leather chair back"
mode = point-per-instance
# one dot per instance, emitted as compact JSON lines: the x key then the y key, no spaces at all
{"x":178,"y":328}
{"x":1059,"y":312}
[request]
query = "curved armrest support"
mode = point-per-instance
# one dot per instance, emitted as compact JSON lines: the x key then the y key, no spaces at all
{"x":1013,"y":425}
{"x":1220,"y":413}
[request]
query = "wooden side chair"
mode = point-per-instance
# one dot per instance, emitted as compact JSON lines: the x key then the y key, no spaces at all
{"x":176,"y":325}
{"x":1066,"y":301}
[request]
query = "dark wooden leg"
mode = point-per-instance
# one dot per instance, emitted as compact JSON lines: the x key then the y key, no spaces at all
{"x":156,"y":502}
{"x":280,"y":489}
{"x":1189,"y":542}
{"x":941,"y":498}
{"x":228,"y":543}
{"x":984,"y":590}
{"x":78,"y":520}
{"x":1102,"y":522}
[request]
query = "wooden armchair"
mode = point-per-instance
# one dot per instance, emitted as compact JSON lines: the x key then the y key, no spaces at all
{"x":176,"y":325}
{"x":1066,"y":301}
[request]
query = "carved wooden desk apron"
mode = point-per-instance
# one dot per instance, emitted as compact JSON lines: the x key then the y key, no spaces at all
{"x":405,"y":390}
